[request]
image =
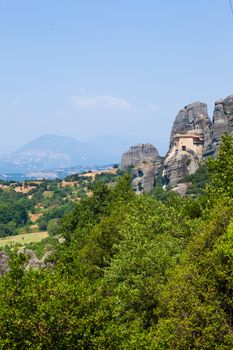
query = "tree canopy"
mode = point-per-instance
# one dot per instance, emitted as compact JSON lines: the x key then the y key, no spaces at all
{"x":133,"y":272}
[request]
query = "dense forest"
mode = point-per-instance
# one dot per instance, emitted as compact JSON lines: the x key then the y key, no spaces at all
{"x":151,"y":271}
{"x":13,"y":212}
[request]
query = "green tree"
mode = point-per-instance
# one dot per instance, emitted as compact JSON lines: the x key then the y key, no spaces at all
{"x":220,"y":169}
{"x":191,"y":312}
{"x":53,"y":227}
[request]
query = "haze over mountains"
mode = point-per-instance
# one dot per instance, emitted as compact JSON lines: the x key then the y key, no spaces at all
{"x":193,"y":136}
{"x":50,"y":152}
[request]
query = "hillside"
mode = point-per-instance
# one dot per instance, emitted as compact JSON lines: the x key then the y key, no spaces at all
{"x":128,"y":271}
{"x":50,"y":152}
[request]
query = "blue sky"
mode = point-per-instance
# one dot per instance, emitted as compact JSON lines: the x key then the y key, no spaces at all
{"x":85,"y":68}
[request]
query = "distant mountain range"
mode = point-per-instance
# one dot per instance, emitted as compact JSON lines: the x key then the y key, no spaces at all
{"x":51,"y":152}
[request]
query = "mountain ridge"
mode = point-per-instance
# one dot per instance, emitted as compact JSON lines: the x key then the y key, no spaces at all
{"x":51,"y":151}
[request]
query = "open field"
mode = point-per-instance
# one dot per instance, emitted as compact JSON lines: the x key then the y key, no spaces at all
{"x":100,"y":172}
{"x":23,"y":238}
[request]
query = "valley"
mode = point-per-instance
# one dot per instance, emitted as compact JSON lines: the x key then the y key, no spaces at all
{"x":116,"y":175}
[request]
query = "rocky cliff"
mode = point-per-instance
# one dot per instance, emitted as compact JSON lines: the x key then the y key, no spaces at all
{"x":193,"y":117}
{"x":193,"y":137}
{"x":144,"y":160}
{"x":138,"y":154}
{"x":190,"y":139}
{"x":222,"y":120}
{"x":178,"y":164}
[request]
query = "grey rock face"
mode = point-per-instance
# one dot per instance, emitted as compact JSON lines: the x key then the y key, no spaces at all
{"x":180,"y":164}
{"x":222,"y":120}
{"x":140,"y":153}
{"x":181,"y":188}
{"x":145,"y":161}
{"x":190,"y":139}
{"x":144,"y":177}
{"x":193,"y":137}
{"x":4,"y":267}
{"x":193,"y":117}
{"x":33,"y":261}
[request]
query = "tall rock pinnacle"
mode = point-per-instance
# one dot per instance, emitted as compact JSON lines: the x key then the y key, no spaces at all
{"x":190,"y":139}
{"x":222,"y":119}
{"x":144,"y":160}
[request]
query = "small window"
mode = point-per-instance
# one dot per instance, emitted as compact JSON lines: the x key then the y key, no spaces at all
{"x":183,"y":148}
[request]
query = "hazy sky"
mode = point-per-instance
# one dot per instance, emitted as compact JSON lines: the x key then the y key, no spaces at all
{"x":84,"y":68}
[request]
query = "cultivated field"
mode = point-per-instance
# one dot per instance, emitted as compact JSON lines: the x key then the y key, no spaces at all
{"x":23,"y":238}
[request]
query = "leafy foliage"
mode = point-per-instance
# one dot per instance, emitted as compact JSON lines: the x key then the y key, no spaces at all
{"x":198,"y":180}
{"x":220,"y":169}
{"x":133,"y":272}
{"x":13,"y":212}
